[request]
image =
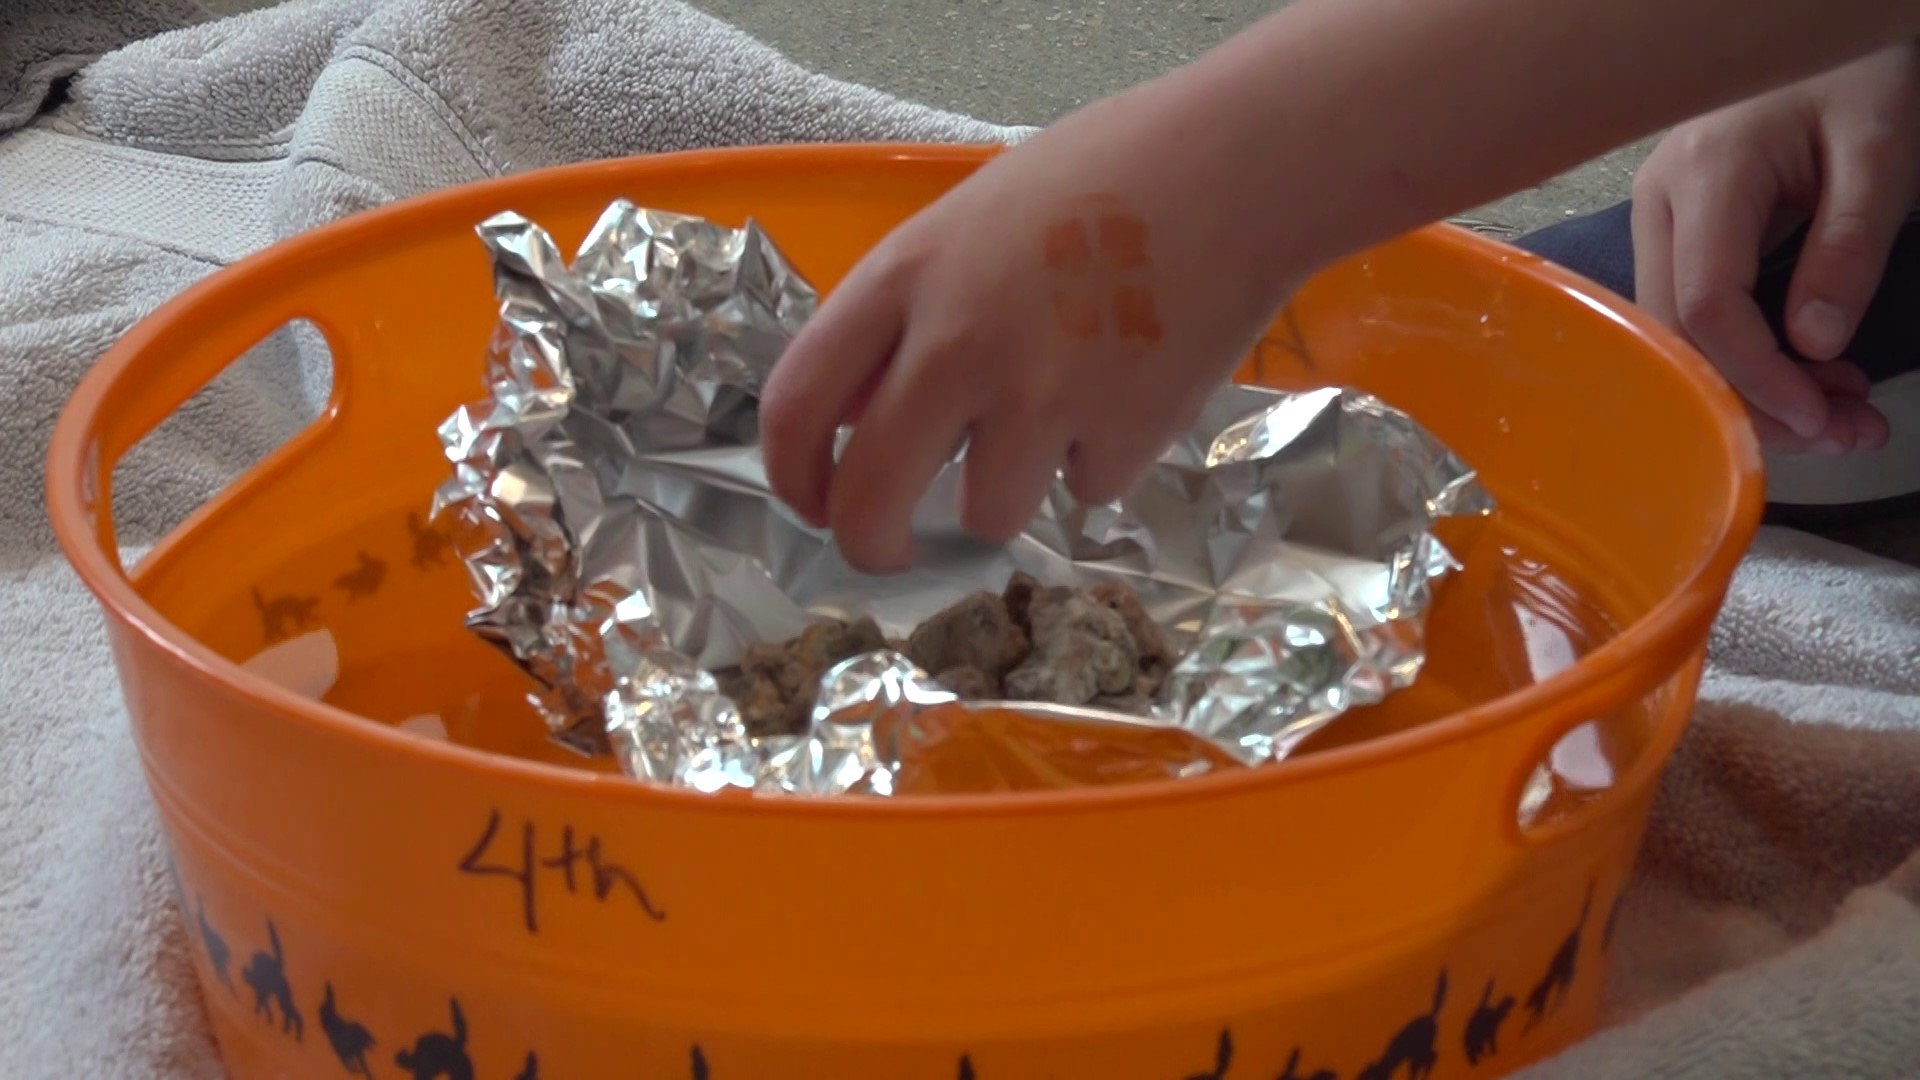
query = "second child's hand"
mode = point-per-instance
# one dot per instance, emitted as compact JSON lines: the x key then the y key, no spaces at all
{"x":1842,"y":148}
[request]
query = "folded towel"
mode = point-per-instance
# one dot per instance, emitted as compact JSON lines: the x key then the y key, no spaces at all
{"x":44,"y":43}
{"x":1767,"y":870}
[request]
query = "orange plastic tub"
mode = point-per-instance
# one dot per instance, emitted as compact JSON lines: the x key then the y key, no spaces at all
{"x":368,"y":901}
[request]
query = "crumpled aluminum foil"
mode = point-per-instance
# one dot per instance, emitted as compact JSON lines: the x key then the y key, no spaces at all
{"x":622,"y":539}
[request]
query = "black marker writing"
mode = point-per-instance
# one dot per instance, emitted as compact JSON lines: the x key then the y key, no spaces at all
{"x":574,"y":861}
{"x":1283,"y":347}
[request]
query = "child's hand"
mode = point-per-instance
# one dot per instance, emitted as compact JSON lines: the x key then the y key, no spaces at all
{"x":1717,"y":192}
{"x":1074,"y":302}
{"x":1071,"y":305}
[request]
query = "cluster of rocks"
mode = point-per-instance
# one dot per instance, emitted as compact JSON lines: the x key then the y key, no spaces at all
{"x":1031,"y":642}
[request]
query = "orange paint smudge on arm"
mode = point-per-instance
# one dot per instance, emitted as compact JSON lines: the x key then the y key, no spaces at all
{"x":1123,"y":241}
{"x":1135,"y":313}
{"x":1087,"y":251}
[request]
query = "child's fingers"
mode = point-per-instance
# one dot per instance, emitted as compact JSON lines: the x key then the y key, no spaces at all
{"x":1852,"y":422}
{"x":1011,"y":465}
{"x":822,"y":381}
{"x":1870,"y":428}
{"x":1839,"y":379}
{"x":1774,"y":435}
{"x":1717,"y":231}
{"x":912,"y":427}
{"x":1652,"y":223}
{"x":1852,"y":425}
{"x":1863,"y":199}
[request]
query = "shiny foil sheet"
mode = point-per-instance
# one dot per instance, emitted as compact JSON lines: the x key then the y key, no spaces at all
{"x":619,"y":530}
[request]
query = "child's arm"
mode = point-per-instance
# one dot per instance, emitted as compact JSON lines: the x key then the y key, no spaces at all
{"x":1075,"y":301}
{"x":1399,"y":112}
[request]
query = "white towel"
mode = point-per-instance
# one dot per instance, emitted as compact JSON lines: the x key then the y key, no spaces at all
{"x":44,"y":43}
{"x":1765,"y":936}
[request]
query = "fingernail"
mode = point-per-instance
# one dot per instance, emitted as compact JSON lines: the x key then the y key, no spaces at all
{"x":1829,"y":446}
{"x":1823,"y":329}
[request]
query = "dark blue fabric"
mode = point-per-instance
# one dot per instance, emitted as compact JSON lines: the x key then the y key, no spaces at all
{"x":1600,"y":248}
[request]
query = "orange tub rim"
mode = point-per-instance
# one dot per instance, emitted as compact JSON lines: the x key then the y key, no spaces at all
{"x":1673,"y":627}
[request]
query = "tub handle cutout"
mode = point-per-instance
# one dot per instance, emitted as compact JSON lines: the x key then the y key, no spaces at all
{"x":1573,"y":773}
{"x":160,"y":366}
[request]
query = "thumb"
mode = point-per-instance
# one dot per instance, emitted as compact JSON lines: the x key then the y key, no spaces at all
{"x":1864,"y":199}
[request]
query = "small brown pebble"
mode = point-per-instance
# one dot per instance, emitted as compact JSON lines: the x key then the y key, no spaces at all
{"x":1069,"y":620}
{"x":763,"y":709}
{"x":976,"y":632}
{"x":777,"y":683}
{"x":734,"y":683}
{"x":824,"y":644}
{"x":763,"y":660}
{"x":1041,"y":679}
{"x":1149,"y":640}
{"x":865,"y":636}
{"x":1063,"y":645}
{"x":1018,"y":596}
{"x":797,"y":714}
{"x":970,"y":683}
{"x":799,"y":663}
{"x":1081,"y":650}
